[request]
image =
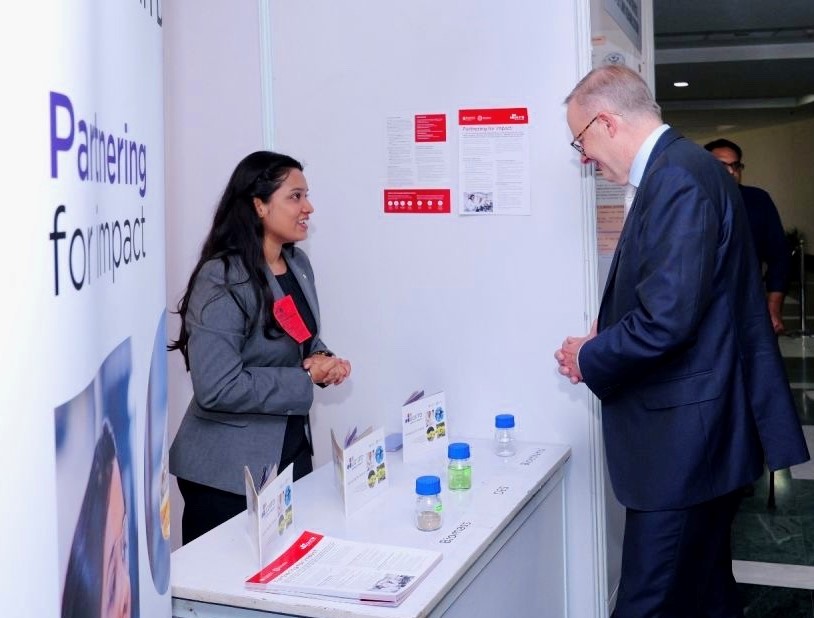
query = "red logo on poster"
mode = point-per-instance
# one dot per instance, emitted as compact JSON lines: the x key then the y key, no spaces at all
{"x":430,"y":128}
{"x":417,"y":201}
{"x":503,"y":115}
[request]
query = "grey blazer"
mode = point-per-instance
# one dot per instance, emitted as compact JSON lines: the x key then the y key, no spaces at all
{"x":244,"y":385}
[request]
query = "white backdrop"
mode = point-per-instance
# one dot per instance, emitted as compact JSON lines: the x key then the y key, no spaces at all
{"x":83,"y":247}
{"x":471,"y":306}
{"x":213,"y":109}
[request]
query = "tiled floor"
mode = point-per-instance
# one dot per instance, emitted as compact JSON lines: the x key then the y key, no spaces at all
{"x":783,"y":535}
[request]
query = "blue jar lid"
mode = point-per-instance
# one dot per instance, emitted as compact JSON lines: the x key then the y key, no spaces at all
{"x":427,"y":485}
{"x":504,"y":421}
{"x":458,"y":450}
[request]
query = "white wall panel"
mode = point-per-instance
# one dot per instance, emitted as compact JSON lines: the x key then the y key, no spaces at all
{"x":473,"y":306}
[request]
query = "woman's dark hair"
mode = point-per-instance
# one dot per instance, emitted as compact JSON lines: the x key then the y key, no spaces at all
{"x":237,"y":231}
{"x":82,"y":594}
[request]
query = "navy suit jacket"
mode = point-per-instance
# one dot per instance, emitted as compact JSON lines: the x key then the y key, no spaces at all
{"x":694,"y":392}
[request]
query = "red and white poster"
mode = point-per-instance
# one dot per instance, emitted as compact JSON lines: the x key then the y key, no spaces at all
{"x":610,"y":215}
{"x":493,"y":158}
{"x":418,"y":165}
{"x":425,"y":201}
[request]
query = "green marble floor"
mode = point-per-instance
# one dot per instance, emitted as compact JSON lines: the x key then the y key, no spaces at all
{"x":771,"y":602}
{"x":783,"y":534}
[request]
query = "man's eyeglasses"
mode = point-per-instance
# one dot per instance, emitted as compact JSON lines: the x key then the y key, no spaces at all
{"x":577,"y":144}
{"x":733,"y":167}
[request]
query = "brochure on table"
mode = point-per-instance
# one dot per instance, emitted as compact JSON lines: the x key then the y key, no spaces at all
{"x":270,"y":509}
{"x":324,"y":567}
{"x":361,"y":468}
{"x":424,"y":426}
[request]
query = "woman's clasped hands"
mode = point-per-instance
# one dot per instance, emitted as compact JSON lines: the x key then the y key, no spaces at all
{"x":326,"y":370}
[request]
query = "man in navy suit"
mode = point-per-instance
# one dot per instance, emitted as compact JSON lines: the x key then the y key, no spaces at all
{"x":682,"y":355}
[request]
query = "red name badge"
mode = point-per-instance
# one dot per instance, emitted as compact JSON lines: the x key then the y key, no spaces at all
{"x":290,"y":319}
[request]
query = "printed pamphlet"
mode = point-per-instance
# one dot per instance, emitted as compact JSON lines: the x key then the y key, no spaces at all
{"x":360,"y":467}
{"x":324,"y":567}
{"x":270,"y":509}
{"x":424,"y":427}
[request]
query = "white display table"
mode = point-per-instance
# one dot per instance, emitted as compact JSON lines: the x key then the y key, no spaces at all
{"x":502,"y":544}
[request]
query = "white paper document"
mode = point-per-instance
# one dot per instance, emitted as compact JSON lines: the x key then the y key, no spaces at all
{"x":494,"y":161}
{"x":418,"y":165}
{"x":418,"y":151}
{"x":325,"y":567}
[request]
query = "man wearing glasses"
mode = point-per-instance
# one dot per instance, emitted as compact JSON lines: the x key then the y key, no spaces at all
{"x":767,"y":231}
{"x":682,"y":355}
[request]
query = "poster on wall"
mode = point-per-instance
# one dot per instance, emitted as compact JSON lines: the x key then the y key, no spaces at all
{"x":418,"y":165}
{"x":628,"y":15}
{"x":610,"y":215}
{"x":93,"y":217}
{"x":493,"y":161}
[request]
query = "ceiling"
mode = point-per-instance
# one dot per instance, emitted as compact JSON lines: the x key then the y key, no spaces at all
{"x":749,"y":63}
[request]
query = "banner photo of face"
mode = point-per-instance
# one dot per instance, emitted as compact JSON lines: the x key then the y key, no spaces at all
{"x":98,"y":541}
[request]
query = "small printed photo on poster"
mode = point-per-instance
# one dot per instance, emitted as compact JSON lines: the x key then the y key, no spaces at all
{"x":392,"y":582}
{"x":97,"y":518}
{"x":478,"y":201}
{"x":441,"y":430}
{"x":156,"y":471}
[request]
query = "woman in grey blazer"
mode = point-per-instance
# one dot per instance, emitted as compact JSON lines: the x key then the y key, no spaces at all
{"x":250,"y":339}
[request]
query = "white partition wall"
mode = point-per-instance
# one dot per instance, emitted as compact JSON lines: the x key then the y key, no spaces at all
{"x":213,"y":111}
{"x":474,"y":306}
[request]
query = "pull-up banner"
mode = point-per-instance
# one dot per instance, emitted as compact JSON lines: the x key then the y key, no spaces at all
{"x":84,"y":441}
